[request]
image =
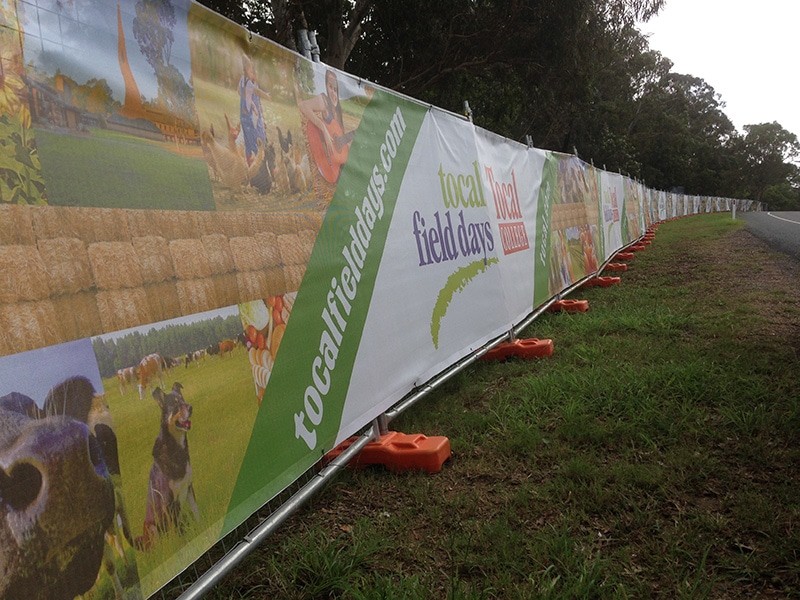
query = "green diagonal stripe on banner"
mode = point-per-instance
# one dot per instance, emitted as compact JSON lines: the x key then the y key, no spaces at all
{"x":544,"y":212}
{"x":623,"y":211}
{"x":303,"y":402}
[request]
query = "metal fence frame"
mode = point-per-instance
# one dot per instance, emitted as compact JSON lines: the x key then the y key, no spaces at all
{"x":317,"y":478}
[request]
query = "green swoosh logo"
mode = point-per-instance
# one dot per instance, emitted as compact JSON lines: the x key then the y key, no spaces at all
{"x":454,"y":284}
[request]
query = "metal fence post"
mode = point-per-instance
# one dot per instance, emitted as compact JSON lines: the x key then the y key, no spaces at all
{"x":467,"y":111}
{"x":303,"y":43}
{"x":312,"y":38}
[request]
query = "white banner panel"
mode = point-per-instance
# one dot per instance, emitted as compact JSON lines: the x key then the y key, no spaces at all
{"x":512,"y":176}
{"x":611,"y":191}
{"x":443,"y":241}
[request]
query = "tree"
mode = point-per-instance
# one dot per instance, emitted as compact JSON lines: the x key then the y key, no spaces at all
{"x":682,"y":135}
{"x":573,"y":75}
{"x":339,"y":23}
{"x":277,"y":20}
{"x":340,"y":26}
{"x":783,"y":196}
{"x":95,"y":96}
{"x":152,"y":28}
{"x":768,"y":151}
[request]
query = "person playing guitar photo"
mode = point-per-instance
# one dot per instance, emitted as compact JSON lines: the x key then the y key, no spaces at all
{"x":327,"y":140}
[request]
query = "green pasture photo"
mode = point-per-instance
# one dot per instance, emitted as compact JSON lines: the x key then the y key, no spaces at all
{"x":221,"y":392}
{"x":107,"y":169}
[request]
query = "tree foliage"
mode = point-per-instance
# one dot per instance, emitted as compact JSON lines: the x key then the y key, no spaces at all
{"x":152,"y":28}
{"x":575,"y":75}
{"x":768,"y":151}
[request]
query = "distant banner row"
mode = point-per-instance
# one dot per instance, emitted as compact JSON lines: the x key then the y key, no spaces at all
{"x":208,"y":241}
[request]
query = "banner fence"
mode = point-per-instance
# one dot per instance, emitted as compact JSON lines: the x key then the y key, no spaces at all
{"x":220,"y":260}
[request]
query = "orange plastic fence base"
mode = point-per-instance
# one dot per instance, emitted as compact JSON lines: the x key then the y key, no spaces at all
{"x":526,"y":349}
{"x":621,"y":267}
{"x":602,"y":281}
{"x":570,"y":306}
{"x":625,"y":256}
{"x":400,"y":452}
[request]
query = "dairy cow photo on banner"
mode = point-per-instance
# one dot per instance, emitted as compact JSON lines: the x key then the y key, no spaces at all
{"x":64,"y":525}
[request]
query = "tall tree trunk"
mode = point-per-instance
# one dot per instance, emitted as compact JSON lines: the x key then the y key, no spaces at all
{"x":288,"y":18}
{"x":343,"y":38}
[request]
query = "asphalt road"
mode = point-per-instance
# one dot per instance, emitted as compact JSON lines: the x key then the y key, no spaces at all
{"x":781,"y":230}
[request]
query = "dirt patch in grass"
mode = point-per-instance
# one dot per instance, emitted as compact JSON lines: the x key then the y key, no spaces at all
{"x":771,"y":280}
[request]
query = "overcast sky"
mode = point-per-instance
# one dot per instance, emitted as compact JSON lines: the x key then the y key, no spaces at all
{"x":747,"y":51}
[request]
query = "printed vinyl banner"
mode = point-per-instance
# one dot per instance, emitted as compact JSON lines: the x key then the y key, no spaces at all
{"x":219,"y":260}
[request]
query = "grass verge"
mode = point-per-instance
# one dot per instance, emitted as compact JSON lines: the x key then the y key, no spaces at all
{"x":655,"y":455}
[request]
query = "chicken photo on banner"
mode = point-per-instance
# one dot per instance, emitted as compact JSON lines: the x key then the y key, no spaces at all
{"x":275,"y":128}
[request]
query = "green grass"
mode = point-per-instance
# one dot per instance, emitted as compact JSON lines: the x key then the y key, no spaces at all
{"x":112,"y":170}
{"x":653,"y":456}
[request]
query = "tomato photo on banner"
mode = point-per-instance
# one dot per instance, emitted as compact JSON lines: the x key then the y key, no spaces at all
{"x":611,"y":194}
{"x":574,"y":225}
{"x":631,"y":211}
{"x":264,"y":323}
